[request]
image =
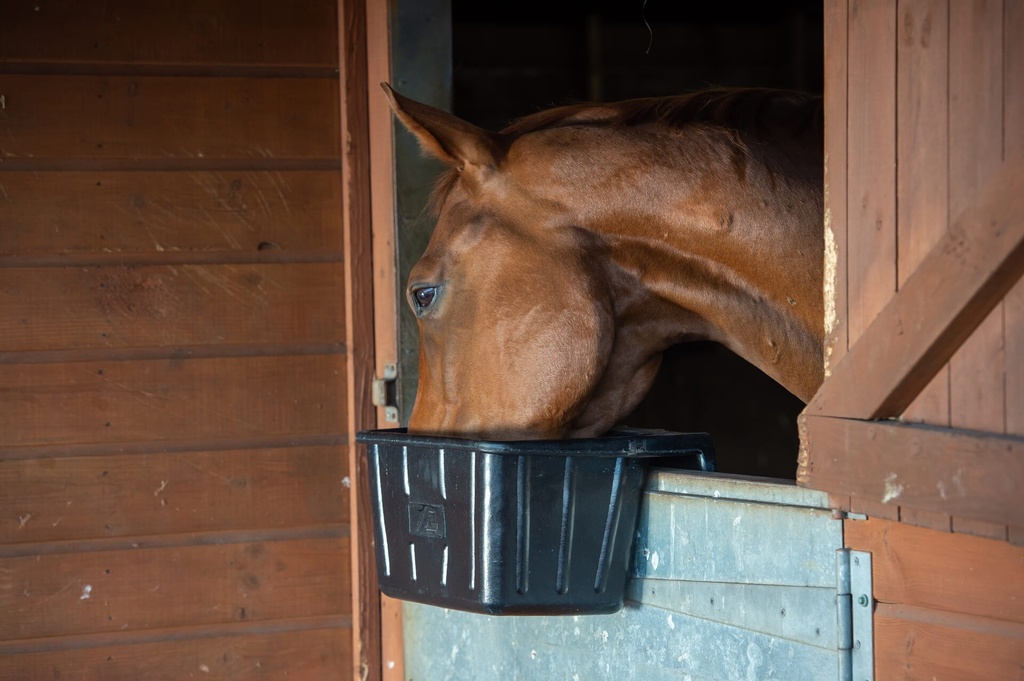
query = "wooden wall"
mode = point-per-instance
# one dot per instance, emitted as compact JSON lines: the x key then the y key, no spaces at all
{"x":924,"y":183}
{"x":173,"y":410}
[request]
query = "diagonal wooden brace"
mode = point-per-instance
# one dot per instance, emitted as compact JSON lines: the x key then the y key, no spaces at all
{"x":963,"y":278}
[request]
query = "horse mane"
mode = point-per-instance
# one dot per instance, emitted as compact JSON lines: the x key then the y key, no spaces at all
{"x":761,"y":112}
{"x":757,"y":114}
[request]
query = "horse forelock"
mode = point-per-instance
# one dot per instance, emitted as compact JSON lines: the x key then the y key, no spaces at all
{"x":763,"y":115}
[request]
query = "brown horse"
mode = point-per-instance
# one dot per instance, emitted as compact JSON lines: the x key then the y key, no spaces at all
{"x":577,"y":245}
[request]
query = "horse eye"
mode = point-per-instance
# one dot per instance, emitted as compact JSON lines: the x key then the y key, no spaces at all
{"x":424,"y":297}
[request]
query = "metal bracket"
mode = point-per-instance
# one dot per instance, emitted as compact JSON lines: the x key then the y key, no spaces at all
{"x":855,"y":607}
{"x":385,"y":393}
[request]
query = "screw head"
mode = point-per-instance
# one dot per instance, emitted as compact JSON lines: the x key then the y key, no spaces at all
{"x":863,"y":600}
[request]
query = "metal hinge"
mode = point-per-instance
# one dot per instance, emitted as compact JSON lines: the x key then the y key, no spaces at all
{"x":855,"y":606}
{"x":385,"y":392}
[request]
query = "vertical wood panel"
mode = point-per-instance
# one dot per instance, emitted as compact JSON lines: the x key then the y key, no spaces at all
{"x":384,"y":246}
{"x":1013,"y":150}
{"x":871,"y":232}
{"x":836,"y":174}
{"x":976,"y":129}
{"x":360,"y":412}
{"x":923,"y":159}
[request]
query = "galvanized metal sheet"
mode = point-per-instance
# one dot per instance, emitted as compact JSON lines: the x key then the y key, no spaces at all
{"x":766,"y":556}
{"x":717,"y":540}
{"x":636,"y":643}
{"x":794,"y":613}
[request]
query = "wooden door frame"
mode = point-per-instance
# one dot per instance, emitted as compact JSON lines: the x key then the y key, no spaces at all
{"x":360,"y":319}
{"x":371,"y":181}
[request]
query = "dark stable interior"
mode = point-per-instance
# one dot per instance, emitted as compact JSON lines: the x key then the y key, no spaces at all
{"x":514,"y":58}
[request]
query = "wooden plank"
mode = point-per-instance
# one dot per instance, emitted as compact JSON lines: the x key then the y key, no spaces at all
{"x":392,"y":640}
{"x":980,"y":528}
{"x":918,"y":643}
{"x":975,"y":155}
{"x":203,"y":32}
{"x":962,"y":473}
{"x":359,"y":309}
{"x":976,"y":373}
{"x":158,"y":118}
{"x":874,"y":509}
{"x":934,"y":520}
{"x":125,"y":495}
{"x":962,"y":279}
{"x":871,"y":201}
{"x":1013,"y":306}
{"x":174,"y":399}
{"x":383,"y":246}
{"x":922,"y":160}
{"x":836,"y":25}
{"x":132,"y":590}
{"x":1015,"y":535}
{"x":316,"y":655}
{"x":202,"y":213}
{"x":951,"y":572}
{"x":119,"y":307}
{"x":1013,"y":148}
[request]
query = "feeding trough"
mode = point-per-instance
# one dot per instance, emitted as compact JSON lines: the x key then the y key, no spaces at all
{"x":530,"y":527}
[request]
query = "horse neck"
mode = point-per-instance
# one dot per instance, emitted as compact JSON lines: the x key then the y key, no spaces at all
{"x":742,"y":254}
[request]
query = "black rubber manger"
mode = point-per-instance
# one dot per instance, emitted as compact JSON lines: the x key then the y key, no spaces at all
{"x":531,"y":527}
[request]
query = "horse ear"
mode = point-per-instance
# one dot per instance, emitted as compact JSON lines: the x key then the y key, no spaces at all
{"x":445,"y":136}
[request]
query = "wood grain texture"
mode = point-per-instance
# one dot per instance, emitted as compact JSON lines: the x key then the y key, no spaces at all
{"x":167,"y":400}
{"x":383,"y":246}
{"x":65,"y":213}
{"x":975,"y":157}
{"x":119,"y":307}
{"x":961,"y":280}
{"x":836,"y":293}
{"x":1013,"y":148}
{"x":874,"y":508}
{"x":917,"y":644}
{"x":950,"y":572}
{"x":359,"y":308}
{"x":1013,"y":327}
{"x":980,"y":528}
{"x":126,"y":494}
{"x":922,"y":171}
{"x":313,"y":655}
{"x":133,"y":590}
{"x":871,"y":184}
{"x":205,"y":32}
{"x":154,"y":118}
{"x":960,"y":473}
{"x":934,"y":520}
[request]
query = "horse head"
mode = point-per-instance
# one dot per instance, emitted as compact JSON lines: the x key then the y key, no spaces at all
{"x":574,"y":247}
